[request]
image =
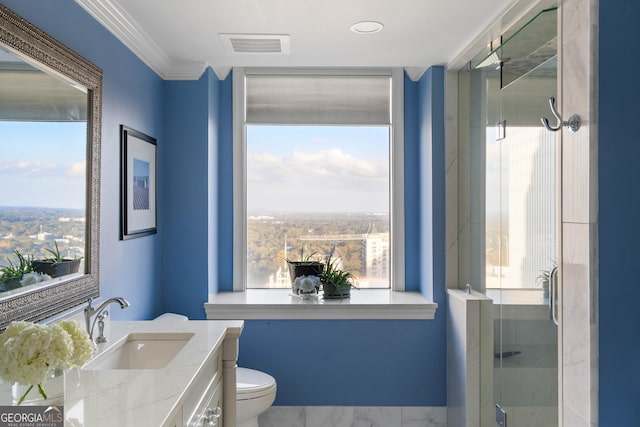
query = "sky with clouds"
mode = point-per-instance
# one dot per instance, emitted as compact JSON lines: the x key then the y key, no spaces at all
{"x":289,"y":168}
{"x":32,"y":164}
{"x":317,"y":169}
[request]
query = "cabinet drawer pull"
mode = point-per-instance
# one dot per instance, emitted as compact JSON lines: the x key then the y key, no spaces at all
{"x":211,"y":419}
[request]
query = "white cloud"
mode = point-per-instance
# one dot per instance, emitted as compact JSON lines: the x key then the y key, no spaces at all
{"x":325,"y":163}
{"x":337,"y":162}
{"x":77,"y":169}
{"x":337,"y":178}
{"x":24,"y":168}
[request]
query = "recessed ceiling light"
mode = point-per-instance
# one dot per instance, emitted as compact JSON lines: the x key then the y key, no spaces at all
{"x":367,"y":27}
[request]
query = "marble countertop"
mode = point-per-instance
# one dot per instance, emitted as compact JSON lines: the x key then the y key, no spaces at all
{"x":141,"y":397}
{"x":96,"y":398}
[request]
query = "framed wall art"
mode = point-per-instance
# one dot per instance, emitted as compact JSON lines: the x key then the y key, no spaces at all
{"x":138,"y":184}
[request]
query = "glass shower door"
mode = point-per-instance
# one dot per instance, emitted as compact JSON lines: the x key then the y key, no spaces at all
{"x":522,"y":223}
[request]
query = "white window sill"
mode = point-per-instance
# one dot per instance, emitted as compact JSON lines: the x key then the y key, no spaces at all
{"x":272,"y":304}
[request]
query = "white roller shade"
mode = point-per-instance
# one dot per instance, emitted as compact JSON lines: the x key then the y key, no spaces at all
{"x":37,"y":96}
{"x":318,"y":100}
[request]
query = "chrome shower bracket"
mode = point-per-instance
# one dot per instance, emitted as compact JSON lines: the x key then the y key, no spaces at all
{"x":573,"y":123}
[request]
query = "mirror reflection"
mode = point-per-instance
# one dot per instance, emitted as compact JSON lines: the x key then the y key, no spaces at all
{"x":43,"y":170}
{"x":50,"y":126}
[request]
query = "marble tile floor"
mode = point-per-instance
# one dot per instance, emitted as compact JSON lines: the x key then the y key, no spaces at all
{"x":349,"y":416}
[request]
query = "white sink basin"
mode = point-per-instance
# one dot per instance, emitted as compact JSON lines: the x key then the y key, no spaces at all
{"x":142,"y":350}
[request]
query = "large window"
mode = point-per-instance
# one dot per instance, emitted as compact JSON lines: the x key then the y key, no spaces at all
{"x":315,"y":155}
{"x":321,"y":191}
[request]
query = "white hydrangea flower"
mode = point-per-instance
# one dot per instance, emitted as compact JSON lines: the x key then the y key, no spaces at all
{"x":28,"y":351}
{"x":60,"y":350}
{"x":24,"y":355}
{"x":82,"y":346}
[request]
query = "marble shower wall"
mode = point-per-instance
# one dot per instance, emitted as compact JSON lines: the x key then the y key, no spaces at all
{"x":579,"y":322}
{"x":469,"y":359}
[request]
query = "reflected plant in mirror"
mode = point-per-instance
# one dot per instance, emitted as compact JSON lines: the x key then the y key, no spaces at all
{"x":50,"y":123}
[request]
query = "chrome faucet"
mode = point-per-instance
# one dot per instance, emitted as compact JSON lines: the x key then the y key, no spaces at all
{"x":89,"y":311}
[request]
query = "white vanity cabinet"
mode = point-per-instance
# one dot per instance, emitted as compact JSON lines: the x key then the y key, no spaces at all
{"x":200,"y":391}
{"x":176,"y":419}
{"x":209,"y":412}
{"x":197,"y":388}
{"x":205,"y":403}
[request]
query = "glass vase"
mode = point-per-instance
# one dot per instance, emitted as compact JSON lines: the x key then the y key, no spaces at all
{"x":53,"y":387}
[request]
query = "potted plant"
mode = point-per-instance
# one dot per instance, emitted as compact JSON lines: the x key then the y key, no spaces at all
{"x":543,"y":279}
{"x":307,"y":266}
{"x":13,"y":275}
{"x":57,"y":265}
{"x":336,"y":283}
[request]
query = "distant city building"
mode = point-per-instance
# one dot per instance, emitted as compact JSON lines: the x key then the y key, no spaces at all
{"x":280,"y":279}
{"x":43,"y":235}
{"x":69,"y":219}
{"x":62,"y":227}
{"x":376,"y":255}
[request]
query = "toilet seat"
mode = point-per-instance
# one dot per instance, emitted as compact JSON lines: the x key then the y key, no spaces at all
{"x":252,"y":384}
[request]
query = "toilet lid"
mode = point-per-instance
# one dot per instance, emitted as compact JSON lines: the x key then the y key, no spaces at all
{"x":251,"y":383}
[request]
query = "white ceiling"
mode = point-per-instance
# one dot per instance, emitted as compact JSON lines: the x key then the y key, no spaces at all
{"x":179,"y":38}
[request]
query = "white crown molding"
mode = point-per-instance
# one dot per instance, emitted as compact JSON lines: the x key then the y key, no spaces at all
{"x":184,"y":71}
{"x":117,"y":21}
{"x":415,"y":73}
{"x":222,"y":71}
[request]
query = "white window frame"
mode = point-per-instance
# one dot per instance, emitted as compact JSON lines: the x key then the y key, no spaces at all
{"x":396,"y":163}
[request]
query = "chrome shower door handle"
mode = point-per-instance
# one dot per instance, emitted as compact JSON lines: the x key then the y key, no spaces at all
{"x":553,"y":296}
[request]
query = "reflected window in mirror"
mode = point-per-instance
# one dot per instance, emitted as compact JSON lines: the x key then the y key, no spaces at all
{"x":50,"y":127}
{"x":43,"y":171}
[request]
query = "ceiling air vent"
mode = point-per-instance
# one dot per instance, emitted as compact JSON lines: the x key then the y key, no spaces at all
{"x":256,"y":43}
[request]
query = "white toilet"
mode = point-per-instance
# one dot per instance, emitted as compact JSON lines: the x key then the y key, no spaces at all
{"x":171,"y":317}
{"x":255,"y":392}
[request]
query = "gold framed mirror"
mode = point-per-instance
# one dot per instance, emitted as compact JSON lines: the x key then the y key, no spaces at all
{"x":38,"y":52}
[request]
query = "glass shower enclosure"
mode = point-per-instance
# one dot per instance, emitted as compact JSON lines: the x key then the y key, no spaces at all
{"x":511,"y":85}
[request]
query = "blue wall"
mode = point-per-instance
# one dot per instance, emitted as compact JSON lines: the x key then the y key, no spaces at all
{"x":350,"y":366}
{"x":225,"y":186}
{"x":432,"y":183}
{"x":619,"y":213}
{"x":368,"y":362}
{"x":190,"y":116}
{"x":362,"y":362}
{"x":352,"y":363}
{"x":135,"y":96}
{"x":412,"y":184}
{"x":132,"y":95}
